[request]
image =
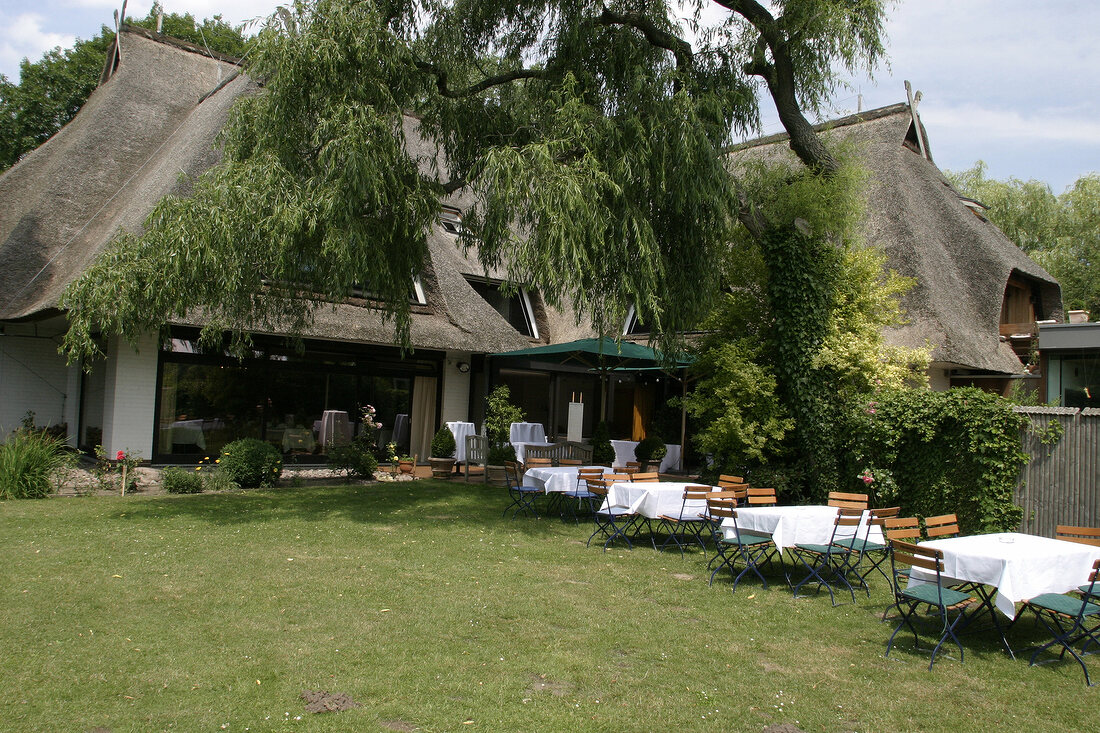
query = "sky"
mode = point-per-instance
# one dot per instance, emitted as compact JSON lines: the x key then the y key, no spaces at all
{"x":1014,"y":83}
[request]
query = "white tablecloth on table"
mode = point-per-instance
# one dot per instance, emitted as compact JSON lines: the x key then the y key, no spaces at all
{"x":188,"y":432}
{"x":1019,"y":566}
{"x":792,"y":525}
{"x":554,"y":478}
{"x":335,"y":428}
{"x":460,"y":430}
{"x":527,"y":432}
{"x":521,"y":448}
{"x":624,"y":453}
{"x":652,"y":499}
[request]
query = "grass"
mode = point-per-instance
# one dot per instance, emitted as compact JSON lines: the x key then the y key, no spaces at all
{"x":417,"y":600}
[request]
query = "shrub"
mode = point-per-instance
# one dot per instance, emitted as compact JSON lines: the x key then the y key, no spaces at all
{"x":215,"y":480}
{"x":354,"y":458}
{"x":250,"y":463}
{"x":443,"y":443}
{"x":651,"y":448}
{"x":603,"y":454}
{"x":500,"y":453}
{"x":175,"y":480}
{"x":28,"y":461}
{"x":938,"y":452}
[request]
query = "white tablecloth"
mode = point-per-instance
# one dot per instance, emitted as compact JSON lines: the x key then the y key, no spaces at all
{"x":624,"y":452}
{"x":521,"y":449}
{"x":652,"y":499}
{"x":793,"y":525}
{"x":1019,"y":566}
{"x":554,"y":478}
{"x":527,"y":432}
{"x":188,"y":432}
{"x":460,"y":430}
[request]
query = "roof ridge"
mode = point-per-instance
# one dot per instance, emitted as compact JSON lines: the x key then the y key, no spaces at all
{"x":852,"y":119}
{"x":180,"y":44}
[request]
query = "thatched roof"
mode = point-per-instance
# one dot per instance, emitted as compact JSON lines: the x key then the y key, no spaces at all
{"x":962,"y":263}
{"x":157,"y":117}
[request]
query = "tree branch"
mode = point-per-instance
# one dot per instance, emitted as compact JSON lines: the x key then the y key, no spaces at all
{"x":658,"y":37}
{"x":487,"y":83}
{"x":780,"y":78}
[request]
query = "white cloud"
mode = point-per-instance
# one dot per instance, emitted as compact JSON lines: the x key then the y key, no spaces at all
{"x":1047,"y":125}
{"x":23,"y":37}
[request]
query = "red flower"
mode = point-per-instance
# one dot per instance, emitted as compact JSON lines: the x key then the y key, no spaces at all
{"x":121,"y":456}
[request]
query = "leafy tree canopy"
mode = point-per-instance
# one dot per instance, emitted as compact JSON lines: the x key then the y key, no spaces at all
{"x":591,"y":133}
{"x":53,"y":89}
{"x":1061,"y":232}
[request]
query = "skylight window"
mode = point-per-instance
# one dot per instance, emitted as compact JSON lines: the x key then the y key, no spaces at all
{"x":450,"y":219}
{"x":514,"y":307}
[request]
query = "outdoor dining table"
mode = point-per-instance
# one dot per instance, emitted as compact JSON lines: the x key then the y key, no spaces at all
{"x":792,"y":525}
{"x":1018,"y":566}
{"x":460,"y":430}
{"x":652,"y":499}
{"x":553,"y":479}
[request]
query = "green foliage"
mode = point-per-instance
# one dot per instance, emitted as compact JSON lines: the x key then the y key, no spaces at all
{"x":603,"y":453}
{"x":650,"y":448}
{"x":500,"y":413}
{"x":608,"y":153}
{"x":53,"y":89}
{"x":108,"y":470}
{"x":443,"y":443}
{"x":500,"y":453}
{"x":354,"y":459}
{"x":1061,"y":232}
{"x":29,"y":460}
{"x":176,"y":480}
{"x":955,"y":451}
{"x":250,"y":462}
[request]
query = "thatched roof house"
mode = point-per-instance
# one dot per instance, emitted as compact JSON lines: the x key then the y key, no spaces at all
{"x":975,"y":289}
{"x":149,"y":129}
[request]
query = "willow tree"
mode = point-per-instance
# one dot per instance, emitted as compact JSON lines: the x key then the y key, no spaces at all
{"x":590,"y":134}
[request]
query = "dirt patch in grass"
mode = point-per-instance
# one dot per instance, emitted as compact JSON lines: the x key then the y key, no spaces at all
{"x":400,"y":725}
{"x":540,"y":683}
{"x":683,"y":576}
{"x":319,"y":701}
{"x":783,"y":728}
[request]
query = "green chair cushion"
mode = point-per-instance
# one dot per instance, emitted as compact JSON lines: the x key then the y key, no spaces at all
{"x":927,"y":593}
{"x":1067,"y":605}
{"x":750,"y":540}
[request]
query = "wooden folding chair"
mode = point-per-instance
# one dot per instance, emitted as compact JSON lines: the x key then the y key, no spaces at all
{"x":1070,"y":620}
{"x":523,"y":497}
{"x":730,"y":479}
{"x":939,"y":599}
{"x":757,"y":496}
{"x":750,"y":549}
{"x":906,"y":529}
{"x":830,"y":559}
{"x":645,"y":478}
{"x":875,"y":552}
{"x":570,"y":462}
{"x":844,"y":500}
{"x":611,"y":522}
{"x":944,"y":525}
{"x":1083,"y":535}
{"x":689,"y":521}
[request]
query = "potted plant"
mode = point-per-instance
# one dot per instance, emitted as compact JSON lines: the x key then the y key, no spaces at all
{"x":398,"y":462}
{"x":499,"y":416}
{"x":603,"y":453}
{"x":443,"y":453}
{"x":649,"y":452}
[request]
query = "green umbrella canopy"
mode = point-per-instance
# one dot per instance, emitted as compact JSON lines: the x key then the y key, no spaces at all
{"x":596,"y":353}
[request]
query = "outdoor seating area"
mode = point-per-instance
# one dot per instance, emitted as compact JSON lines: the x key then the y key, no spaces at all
{"x":938,"y":577}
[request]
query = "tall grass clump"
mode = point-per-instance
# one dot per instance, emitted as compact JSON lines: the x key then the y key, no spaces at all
{"x":28,"y":461}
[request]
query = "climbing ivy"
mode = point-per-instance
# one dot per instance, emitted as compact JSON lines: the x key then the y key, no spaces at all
{"x":955,"y":451}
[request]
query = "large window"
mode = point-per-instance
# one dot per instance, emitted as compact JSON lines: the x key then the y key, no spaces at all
{"x":207,"y":400}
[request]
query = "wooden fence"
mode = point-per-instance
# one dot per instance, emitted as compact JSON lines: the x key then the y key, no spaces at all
{"x":1061,"y":483}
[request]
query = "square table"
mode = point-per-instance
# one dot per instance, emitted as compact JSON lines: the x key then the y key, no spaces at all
{"x":555,"y":478}
{"x":652,"y":499}
{"x":1019,"y":566}
{"x":793,"y":525}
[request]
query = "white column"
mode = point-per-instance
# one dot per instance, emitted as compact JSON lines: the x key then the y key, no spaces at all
{"x":129,"y":397}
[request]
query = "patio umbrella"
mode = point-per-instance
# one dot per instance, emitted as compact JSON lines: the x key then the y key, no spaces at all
{"x":602,"y":355}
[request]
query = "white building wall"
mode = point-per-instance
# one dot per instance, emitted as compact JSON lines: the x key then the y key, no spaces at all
{"x":129,"y":397}
{"x":33,"y":376}
{"x":938,"y":378}
{"x":456,"y":388}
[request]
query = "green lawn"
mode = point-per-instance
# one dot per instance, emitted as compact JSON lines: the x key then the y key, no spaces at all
{"x":201,"y":612}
